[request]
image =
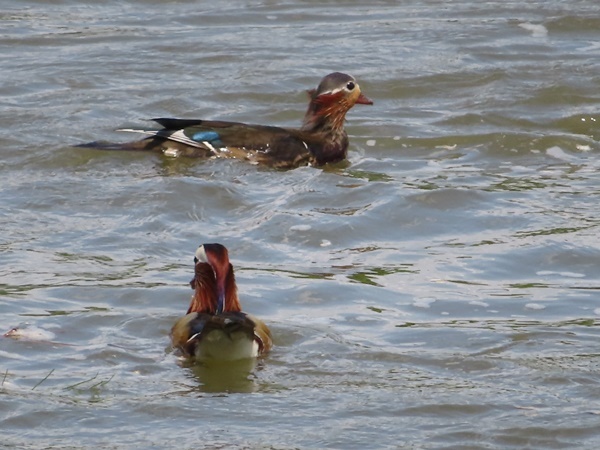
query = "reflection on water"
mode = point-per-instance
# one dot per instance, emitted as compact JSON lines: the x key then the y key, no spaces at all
{"x":225,"y":377}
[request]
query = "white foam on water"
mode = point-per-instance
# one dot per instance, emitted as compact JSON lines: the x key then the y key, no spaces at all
{"x":30,"y":333}
{"x":536,"y":30}
{"x":562,"y":274}
{"x":559,"y":153}
{"x":423,"y":302}
{"x":300,"y":227}
{"x":535,"y":306}
{"x":478,"y":303}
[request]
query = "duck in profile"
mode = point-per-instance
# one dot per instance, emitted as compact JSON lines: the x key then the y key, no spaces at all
{"x":321,"y":139}
{"x":215,"y":328}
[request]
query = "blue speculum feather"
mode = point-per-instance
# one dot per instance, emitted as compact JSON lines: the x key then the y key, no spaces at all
{"x":207,"y":136}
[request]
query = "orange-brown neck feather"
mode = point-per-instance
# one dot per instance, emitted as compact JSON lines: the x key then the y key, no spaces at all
{"x":232,"y":302}
{"x":204,"y":283}
{"x":327,"y":112}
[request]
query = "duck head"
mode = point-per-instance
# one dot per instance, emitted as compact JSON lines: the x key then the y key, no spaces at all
{"x":331,"y":100}
{"x":214,"y":285}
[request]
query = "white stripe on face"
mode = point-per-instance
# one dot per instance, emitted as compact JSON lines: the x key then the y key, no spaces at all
{"x":342,"y":88}
{"x":201,"y":254}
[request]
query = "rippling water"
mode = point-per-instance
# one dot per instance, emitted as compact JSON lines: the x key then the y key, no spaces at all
{"x":440,"y":289}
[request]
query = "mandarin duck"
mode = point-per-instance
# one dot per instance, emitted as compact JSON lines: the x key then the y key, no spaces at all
{"x":321,"y":139}
{"x":215,"y":328}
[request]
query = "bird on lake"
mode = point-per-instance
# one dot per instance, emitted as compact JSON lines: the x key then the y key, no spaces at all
{"x":215,"y":328}
{"x":321,"y":139}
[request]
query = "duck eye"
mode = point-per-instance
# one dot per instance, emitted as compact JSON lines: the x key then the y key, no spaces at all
{"x":350,"y":86}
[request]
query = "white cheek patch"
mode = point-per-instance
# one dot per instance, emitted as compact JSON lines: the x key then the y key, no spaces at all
{"x":343,"y":88}
{"x":201,"y":254}
{"x":335,"y":91}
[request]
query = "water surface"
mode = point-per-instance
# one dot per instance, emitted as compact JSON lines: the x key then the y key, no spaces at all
{"x":440,"y":289}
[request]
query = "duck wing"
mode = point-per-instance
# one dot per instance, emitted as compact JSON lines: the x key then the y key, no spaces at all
{"x":273,"y":146}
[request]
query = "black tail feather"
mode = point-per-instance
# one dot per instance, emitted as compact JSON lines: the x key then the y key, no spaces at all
{"x":177,"y":124}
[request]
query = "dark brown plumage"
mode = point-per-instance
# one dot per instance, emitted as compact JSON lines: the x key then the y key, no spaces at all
{"x":321,"y":139}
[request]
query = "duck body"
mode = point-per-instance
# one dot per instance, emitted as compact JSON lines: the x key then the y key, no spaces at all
{"x":215,"y":328}
{"x":258,"y":144}
{"x":223,"y":337}
{"x":321,"y":139}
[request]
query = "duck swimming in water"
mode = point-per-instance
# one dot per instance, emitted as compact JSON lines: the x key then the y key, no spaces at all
{"x":321,"y":139}
{"x":215,"y":328}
